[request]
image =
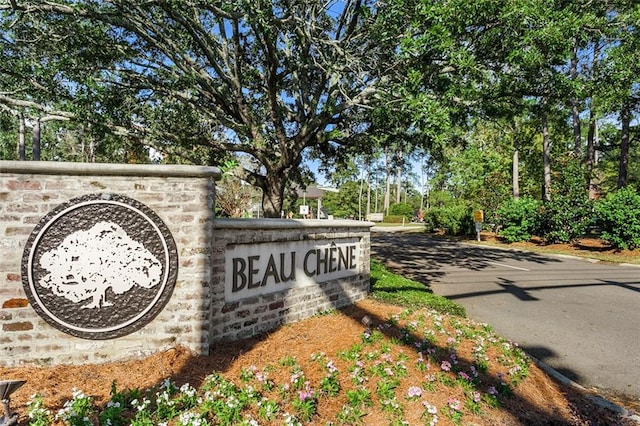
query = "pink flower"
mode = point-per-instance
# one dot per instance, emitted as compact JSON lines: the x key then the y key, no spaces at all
{"x":304,"y":395}
{"x":454,"y":404}
{"x":414,"y":392}
{"x":445,"y":366}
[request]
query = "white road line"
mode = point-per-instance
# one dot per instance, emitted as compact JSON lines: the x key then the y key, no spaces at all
{"x":509,"y":266}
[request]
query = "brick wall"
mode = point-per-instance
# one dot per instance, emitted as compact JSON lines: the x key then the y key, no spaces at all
{"x":264,"y":312}
{"x":197,"y":314}
{"x":181,"y":196}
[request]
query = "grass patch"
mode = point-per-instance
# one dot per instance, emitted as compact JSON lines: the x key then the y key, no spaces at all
{"x":392,"y":288}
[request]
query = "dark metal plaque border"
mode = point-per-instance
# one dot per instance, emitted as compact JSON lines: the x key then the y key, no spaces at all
{"x":130,"y":310}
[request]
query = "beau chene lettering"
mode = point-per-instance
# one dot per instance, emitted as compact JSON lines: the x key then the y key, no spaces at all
{"x":252,"y":272}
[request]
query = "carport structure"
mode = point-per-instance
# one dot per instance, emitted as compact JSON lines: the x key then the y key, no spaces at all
{"x":314,"y":193}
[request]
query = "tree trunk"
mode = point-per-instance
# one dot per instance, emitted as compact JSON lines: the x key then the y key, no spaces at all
{"x":22,"y":156}
{"x":273,"y":196}
{"x":360,"y":197}
{"x":92,"y":149}
{"x":591,"y":155}
{"x":399,"y":178}
{"x":625,"y":120}
{"x":422,"y":183}
{"x":577,"y":135}
{"x":515,"y":168}
{"x":546,"y":154}
{"x":590,"y":159}
{"x":387,"y":194}
{"x":368,"y":193}
{"x":515,"y":164}
{"x":36,"y":141}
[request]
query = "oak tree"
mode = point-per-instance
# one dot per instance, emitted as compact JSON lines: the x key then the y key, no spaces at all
{"x":269,"y":79}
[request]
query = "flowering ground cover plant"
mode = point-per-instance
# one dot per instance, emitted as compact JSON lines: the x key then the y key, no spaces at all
{"x":374,"y":363}
{"x":395,"y":372}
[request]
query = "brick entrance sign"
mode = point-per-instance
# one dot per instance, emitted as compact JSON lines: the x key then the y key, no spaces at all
{"x":104,"y":262}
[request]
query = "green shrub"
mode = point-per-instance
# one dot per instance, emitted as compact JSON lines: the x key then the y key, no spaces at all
{"x":565,"y":219}
{"x":518,"y":219}
{"x":570,"y":212}
{"x":402,"y":209}
{"x":393,"y":219}
{"x":456,"y":219}
{"x":618,"y":216}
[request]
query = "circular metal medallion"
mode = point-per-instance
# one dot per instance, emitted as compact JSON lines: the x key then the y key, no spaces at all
{"x":99,"y":266}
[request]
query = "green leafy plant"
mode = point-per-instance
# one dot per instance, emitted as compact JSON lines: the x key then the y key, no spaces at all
{"x":402,"y":209}
{"x":565,"y":219}
{"x":570,"y":212}
{"x":430,"y":414}
{"x":454,"y":219}
{"x":518,"y":219}
{"x":268,"y":410}
{"x":350,"y":415}
{"x":359,"y":397}
{"x":619,"y":218}
{"x":306,"y":403}
{"x":143,"y":415}
{"x":330,"y":385}
{"x":37,"y":412}
{"x":112,"y":414}
{"x":79,"y":411}
{"x":453,"y":410}
{"x":189,"y":418}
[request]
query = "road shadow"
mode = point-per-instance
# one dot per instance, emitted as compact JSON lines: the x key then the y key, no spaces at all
{"x":524,"y":293}
{"x":547,"y":356}
{"x":424,"y":258}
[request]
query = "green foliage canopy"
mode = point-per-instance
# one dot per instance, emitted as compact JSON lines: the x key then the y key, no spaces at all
{"x":267,"y":79}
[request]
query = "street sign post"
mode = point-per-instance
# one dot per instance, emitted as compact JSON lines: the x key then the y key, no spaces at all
{"x":478,"y":218}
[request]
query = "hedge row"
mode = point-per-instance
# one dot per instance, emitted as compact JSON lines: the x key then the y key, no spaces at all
{"x":616,"y":217}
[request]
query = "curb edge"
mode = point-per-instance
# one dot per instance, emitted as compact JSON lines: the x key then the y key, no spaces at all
{"x":599,"y":400}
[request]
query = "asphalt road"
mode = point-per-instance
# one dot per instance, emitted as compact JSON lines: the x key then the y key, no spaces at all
{"x":580,"y":317}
